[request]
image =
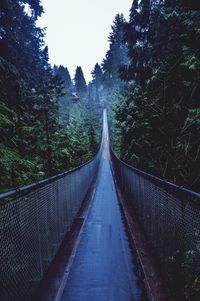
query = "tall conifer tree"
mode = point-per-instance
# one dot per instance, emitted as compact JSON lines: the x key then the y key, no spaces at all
{"x":79,"y":80}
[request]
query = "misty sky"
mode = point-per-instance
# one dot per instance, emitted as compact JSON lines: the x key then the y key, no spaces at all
{"x":77,"y":30}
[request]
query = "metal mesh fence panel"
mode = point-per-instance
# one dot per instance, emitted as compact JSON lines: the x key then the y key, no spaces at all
{"x":32,"y":228}
{"x":170,"y":218}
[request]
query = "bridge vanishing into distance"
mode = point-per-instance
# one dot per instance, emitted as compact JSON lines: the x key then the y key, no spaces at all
{"x":104,"y":231}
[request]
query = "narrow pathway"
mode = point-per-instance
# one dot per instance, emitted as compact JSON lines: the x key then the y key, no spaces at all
{"x":103,"y":267}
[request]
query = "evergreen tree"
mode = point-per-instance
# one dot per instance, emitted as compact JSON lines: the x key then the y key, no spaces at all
{"x":63,"y":73}
{"x":116,"y":55}
{"x":35,"y":136}
{"x":144,"y":15}
{"x":158,"y":115}
{"x":134,"y":12}
{"x":79,"y":80}
{"x":97,"y":76}
{"x":23,"y":73}
{"x":64,"y":102}
{"x":97,"y":80}
{"x":93,"y":144}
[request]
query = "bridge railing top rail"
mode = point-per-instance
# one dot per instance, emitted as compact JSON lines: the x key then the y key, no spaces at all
{"x":160,"y":182}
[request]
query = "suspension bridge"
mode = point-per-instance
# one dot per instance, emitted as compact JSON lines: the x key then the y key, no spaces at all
{"x":102,"y":231}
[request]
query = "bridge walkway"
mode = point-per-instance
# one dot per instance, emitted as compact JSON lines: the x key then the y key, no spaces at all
{"x":104,"y":268}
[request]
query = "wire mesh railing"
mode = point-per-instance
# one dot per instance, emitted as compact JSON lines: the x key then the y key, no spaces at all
{"x":170,"y":218}
{"x":33,"y":224}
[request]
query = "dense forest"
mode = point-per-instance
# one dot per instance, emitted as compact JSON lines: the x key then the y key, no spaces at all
{"x":150,"y":78}
{"x":152,"y":72}
{"x":45,"y":128}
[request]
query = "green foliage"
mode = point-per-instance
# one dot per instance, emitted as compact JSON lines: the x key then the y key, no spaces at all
{"x":97,"y":81}
{"x":158,"y":117}
{"x":64,"y":75}
{"x":42,"y":131}
{"x":79,"y":80}
{"x":115,"y":56}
